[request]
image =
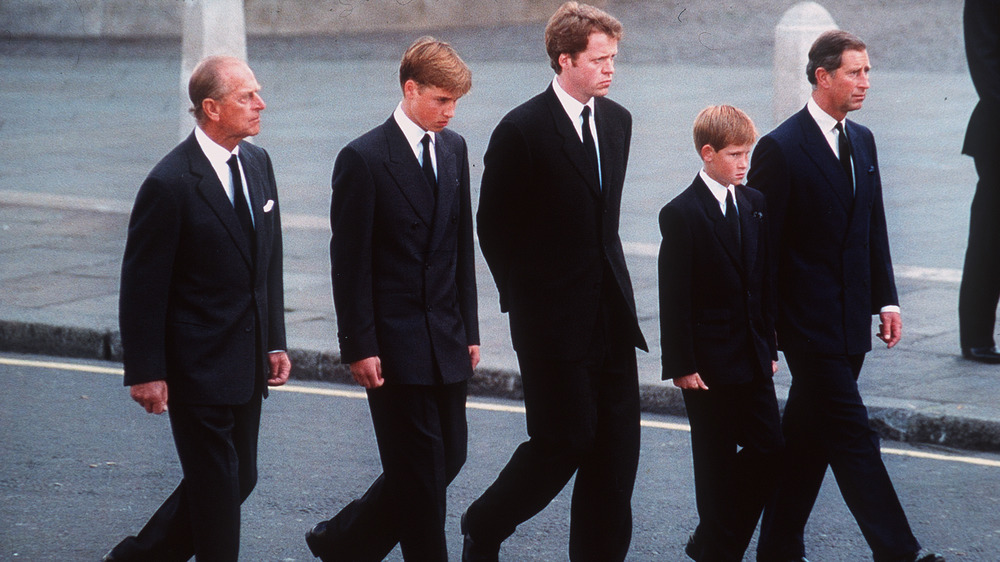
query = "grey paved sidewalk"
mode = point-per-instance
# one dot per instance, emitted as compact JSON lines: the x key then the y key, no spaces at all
{"x":83,"y":122}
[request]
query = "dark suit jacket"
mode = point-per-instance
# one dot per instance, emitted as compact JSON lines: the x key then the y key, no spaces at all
{"x":831,"y":248}
{"x":404,"y":278}
{"x":982,"y":49}
{"x":548,"y":230}
{"x":716,"y":305}
{"x":195,"y":309}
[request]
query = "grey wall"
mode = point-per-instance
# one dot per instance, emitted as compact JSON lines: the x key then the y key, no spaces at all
{"x":162,"y":18}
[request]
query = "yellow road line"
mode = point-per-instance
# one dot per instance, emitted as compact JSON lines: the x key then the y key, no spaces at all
{"x":487,"y":406}
{"x":61,"y":366}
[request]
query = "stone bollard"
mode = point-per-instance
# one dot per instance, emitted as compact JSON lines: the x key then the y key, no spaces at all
{"x":793,"y":36}
{"x":211,"y":27}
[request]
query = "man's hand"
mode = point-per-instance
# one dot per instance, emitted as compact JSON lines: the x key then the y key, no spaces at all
{"x":368,"y":372}
{"x":690,"y":382}
{"x":474,"y":355}
{"x":280,"y":367}
{"x":774,"y":367}
{"x":151,"y":395}
{"x":891,"y":328}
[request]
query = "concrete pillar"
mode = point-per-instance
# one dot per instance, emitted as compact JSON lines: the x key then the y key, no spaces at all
{"x":211,"y":27}
{"x":793,"y":36}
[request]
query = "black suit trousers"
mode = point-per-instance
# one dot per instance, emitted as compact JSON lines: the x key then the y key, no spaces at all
{"x":980,"y":290}
{"x":583,"y":418}
{"x":826,"y":425}
{"x":735,"y":443}
{"x":217,"y":446}
{"x":422,"y":439}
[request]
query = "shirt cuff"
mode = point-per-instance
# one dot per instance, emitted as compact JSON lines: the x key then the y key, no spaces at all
{"x":890,"y":308}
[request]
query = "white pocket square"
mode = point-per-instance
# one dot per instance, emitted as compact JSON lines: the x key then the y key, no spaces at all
{"x":269,"y":205}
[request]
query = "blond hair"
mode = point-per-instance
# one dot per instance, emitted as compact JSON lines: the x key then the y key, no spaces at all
{"x":430,"y":62}
{"x":722,"y":125}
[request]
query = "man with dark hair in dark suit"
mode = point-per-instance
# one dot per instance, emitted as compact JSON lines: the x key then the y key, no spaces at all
{"x":404,"y":286}
{"x":548,"y":227}
{"x":202,"y":313}
{"x":820,"y":175}
{"x":980,"y":289}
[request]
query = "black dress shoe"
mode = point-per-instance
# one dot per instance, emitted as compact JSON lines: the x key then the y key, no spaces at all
{"x":318,"y":542}
{"x":477,"y":551}
{"x":983,"y":355}
{"x":925,"y":555}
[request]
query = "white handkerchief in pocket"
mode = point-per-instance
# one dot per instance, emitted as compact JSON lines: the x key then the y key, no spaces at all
{"x":269,"y":205}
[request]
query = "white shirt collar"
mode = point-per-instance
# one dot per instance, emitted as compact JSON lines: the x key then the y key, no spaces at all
{"x":218,"y":157}
{"x":572,"y":106}
{"x":414,"y":133}
{"x":215,"y":152}
{"x":718,"y":190}
{"x":826,"y":124}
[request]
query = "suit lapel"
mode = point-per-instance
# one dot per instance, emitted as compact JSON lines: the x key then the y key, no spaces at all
{"x":864,"y":170}
{"x":447,"y":173}
{"x":609,"y":136}
{"x":749,"y":224}
{"x":816,"y":147}
{"x":255,"y":171}
{"x":864,"y":165}
{"x":214,"y":195}
{"x":710,"y":205}
{"x":405,"y":170}
{"x":572,"y":145}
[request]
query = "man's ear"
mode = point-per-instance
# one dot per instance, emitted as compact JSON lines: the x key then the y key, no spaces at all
{"x":565,"y":60}
{"x":410,"y":88}
{"x":707,"y":153}
{"x":210,"y":108}
{"x":823,"y":77}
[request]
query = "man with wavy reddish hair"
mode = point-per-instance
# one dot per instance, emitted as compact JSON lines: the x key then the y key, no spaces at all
{"x":548,"y":227}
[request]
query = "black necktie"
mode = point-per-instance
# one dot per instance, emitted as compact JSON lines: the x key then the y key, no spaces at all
{"x":733,"y":218}
{"x":589,"y":145}
{"x":428,"y":165}
{"x":240,"y":202}
{"x":845,"y":153}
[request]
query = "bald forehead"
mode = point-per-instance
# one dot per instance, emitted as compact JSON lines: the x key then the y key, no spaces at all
{"x":235,"y":76}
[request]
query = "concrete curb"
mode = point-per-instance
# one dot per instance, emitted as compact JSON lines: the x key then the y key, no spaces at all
{"x":905,"y":422}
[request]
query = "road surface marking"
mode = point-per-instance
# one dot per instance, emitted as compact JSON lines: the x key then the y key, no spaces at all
{"x":475,"y":405}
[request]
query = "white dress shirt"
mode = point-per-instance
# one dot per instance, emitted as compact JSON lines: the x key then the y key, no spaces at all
{"x":718,"y":190}
{"x":414,"y":136}
{"x":218,"y":157}
{"x":574,"y":109}
{"x":828,"y":125}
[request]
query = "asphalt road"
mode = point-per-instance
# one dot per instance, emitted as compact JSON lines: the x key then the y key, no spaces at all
{"x":81,"y":466}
